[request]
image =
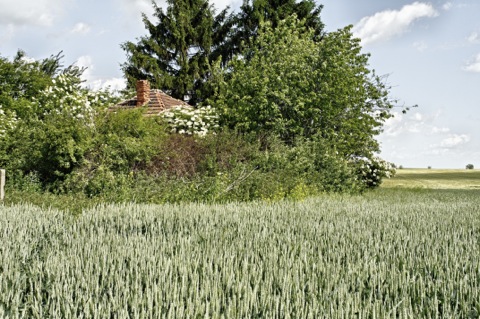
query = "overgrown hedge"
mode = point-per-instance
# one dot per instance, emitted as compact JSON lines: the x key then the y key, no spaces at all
{"x":129,"y":157}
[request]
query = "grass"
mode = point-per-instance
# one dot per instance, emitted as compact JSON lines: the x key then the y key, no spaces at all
{"x":434,"y":179}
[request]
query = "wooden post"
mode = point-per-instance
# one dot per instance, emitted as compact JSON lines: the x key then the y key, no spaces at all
{"x":2,"y":184}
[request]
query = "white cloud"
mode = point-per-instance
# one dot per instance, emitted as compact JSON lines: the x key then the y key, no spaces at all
{"x":222,"y":4}
{"x":85,"y":61}
{"x":436,"y":130}
{"x":420,"y":46}
{"x":447,"y":6}
{"x":474,"y":37}
{"x":7,"y":33}
{"x":30,"y":12}
{"x":417,"y":116}
{"x":81,"y":28}
{"x":416,"y":123}
{"x":386,"y":24}
{"x":134,"y":8}
{"x":393,"y":125}
{"x":455,"y":140}
{"x":95,"y":83}
{"x":473,"y":65}
{"x":401,"y":123}
{"x":111,"y":84}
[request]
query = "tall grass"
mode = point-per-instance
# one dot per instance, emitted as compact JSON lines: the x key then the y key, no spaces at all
{"x":391,"y":254}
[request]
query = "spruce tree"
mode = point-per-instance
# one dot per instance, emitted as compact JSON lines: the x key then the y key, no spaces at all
{"x":177,"y":54}
{"x":255,"y":12}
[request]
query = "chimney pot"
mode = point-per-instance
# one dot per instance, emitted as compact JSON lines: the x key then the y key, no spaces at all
{"x":143,"y":92}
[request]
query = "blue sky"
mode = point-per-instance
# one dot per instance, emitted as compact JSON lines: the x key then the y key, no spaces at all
{"x":428,"y":51}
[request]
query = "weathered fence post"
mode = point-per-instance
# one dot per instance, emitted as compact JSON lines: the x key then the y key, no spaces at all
{"x":2,"y":184}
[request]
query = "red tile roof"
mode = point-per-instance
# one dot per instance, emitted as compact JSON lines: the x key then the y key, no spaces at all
{"x":158,"y":102}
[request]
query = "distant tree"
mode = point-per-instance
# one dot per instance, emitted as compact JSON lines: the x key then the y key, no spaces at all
{"x":469,"y":166}
{"x":177,"y":53}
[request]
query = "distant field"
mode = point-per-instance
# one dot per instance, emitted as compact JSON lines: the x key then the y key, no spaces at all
{"x":435,"y":179}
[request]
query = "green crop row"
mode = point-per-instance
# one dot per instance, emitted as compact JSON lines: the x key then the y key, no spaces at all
{"x":389,"y":254}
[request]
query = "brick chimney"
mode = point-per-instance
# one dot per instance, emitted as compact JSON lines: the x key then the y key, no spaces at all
{"x":143,"y":92}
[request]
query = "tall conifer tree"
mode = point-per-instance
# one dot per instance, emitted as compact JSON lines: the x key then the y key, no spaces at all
{"x":176,"y":55}
{"x":255,"y":12}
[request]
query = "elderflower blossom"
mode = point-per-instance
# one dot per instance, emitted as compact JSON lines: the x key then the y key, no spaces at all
{"x":8,"y":121}
{"x":371,"y":171}
{"x":191,"y":121}
{"x":66,"y":96}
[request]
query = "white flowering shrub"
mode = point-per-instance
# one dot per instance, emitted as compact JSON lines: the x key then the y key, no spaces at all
{"x":8,"y":121}
{"x":371,"y":171}
{"x":190,"y":121}
{"x":66,"y":96}
{"x":55,"y":131}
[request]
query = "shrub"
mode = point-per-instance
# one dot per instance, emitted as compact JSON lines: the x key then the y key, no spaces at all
{"x":54,"y":132}
{"x":8,"y":121}
{"x":51,"y":147}
{"x":469,"y":166}
{"x":371,"y":171}
{"x":125,"y":141}
{"x":191,"y":121}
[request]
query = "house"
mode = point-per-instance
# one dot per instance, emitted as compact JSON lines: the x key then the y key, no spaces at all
{"x":155,"y":101}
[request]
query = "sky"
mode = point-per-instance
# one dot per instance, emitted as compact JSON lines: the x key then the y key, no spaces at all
{"x":427,"y":51}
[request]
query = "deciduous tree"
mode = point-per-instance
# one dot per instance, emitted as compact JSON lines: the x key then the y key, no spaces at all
{"x":295,"y":86}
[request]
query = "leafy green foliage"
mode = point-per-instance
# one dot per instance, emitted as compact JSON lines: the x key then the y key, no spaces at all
{"x":51,"y":118}
{"x":373,"y":171}
{"x":22,"y":80}
{"x":176,"y":55}
{"x":124,"y":140}
{"x":254,"y":13}
{"x":52,"y":147}
{"x":298,"y":114}
{"x":8,"y":121}
{"x":293,"y":86}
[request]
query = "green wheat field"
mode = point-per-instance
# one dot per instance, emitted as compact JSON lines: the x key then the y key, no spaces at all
{"x":408,"y":250}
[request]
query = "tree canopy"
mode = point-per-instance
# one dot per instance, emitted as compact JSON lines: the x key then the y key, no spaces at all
{"x":189,"y":37}
{"x":296,"y":109}
{"x":177,"y":53}
{"x":46,"y":117}
{"x":295,"y":87}
{"x":253,"y":13}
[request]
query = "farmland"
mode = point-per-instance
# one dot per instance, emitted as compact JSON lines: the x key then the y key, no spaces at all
{"x":391,"y":253}
{"x":435,"y":179}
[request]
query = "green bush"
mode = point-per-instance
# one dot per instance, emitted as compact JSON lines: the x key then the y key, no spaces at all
{"x":124,"y":141}
{"x":52,"y":147}
{"x":227,"y":166}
